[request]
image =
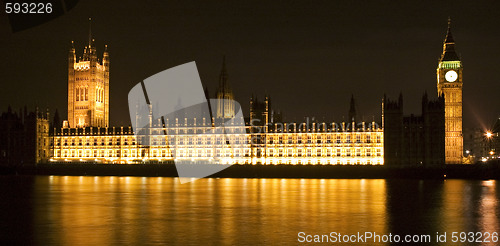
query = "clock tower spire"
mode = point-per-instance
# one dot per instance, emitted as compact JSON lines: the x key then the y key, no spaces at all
{"x":449,"y":83}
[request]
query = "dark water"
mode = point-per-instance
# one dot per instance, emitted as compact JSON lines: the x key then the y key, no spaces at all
{"x":61,"y":210}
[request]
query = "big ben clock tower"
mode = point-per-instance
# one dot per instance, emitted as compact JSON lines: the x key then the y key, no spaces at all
{"x":449,"y":83}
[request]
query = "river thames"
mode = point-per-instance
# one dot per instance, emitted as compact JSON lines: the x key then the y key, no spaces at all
{"x":73,"y":210}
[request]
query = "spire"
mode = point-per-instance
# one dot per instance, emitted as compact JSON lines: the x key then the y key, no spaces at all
{"x":449,"y":36}
{"x":449,"y":53}
{"x":90,"y":32}
{"x":352,"y":109}
{"x":425,"y":100}
{"x":223,"y":74}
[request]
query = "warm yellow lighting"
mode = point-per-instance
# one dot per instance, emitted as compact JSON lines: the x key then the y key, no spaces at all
{"x":489,"y":134}
{"x":291,"y":148}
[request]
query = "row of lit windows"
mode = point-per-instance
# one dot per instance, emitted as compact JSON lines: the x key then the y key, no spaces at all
{"x":324,"y":139}
{"x":206,"y":130}
{"x":82,"y":93}
{"x":324,"y":152}
{"x":314,"y":136}
{"x":285,"y":138}
{"x":154,"y":153}
{"x":234,"y":152}
{"x":107,"y":153}
{"x":210,"y":142}
{"x":327,"y":161}
{"x":200,"y":140}
{"x":155,"y":140}
{"x":96,"y":141}
{"x":81,"y":78}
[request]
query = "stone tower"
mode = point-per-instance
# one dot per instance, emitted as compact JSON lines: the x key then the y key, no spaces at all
{"x":88,"y":87}
{"x":225,"y":96}
{"x":449,"y":83}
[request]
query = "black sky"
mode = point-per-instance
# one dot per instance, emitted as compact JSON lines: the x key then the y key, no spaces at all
{"x":310,"y":56}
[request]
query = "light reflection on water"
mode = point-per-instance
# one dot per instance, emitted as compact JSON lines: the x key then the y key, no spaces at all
{"x":139,"y":210}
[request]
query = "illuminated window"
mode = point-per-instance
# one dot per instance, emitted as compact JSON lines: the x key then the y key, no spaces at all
{"x":86,"y":93}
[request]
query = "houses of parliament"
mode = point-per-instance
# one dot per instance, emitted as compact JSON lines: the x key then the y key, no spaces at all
{"x":432,"y":139}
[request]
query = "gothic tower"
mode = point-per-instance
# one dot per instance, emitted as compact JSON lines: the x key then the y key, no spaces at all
{"x":449,"y":83}
{"x":225,"y":96}
{"x":88,"y":87}
{"x":352,"y":110}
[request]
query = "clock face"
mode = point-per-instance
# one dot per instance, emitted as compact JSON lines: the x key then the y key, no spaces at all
{"x":451,"y":76}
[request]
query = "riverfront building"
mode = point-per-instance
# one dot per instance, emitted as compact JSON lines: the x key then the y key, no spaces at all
{"x":432,"y":139}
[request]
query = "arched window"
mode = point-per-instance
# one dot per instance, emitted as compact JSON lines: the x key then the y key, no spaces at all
{"x":77,"y":93}
{"x":86,"y":93}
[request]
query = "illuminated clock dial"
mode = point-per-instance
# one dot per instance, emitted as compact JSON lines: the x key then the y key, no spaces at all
{"x":451,"y":76}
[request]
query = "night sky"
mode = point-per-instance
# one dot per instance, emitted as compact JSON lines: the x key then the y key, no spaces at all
{"x":310,"y":56}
